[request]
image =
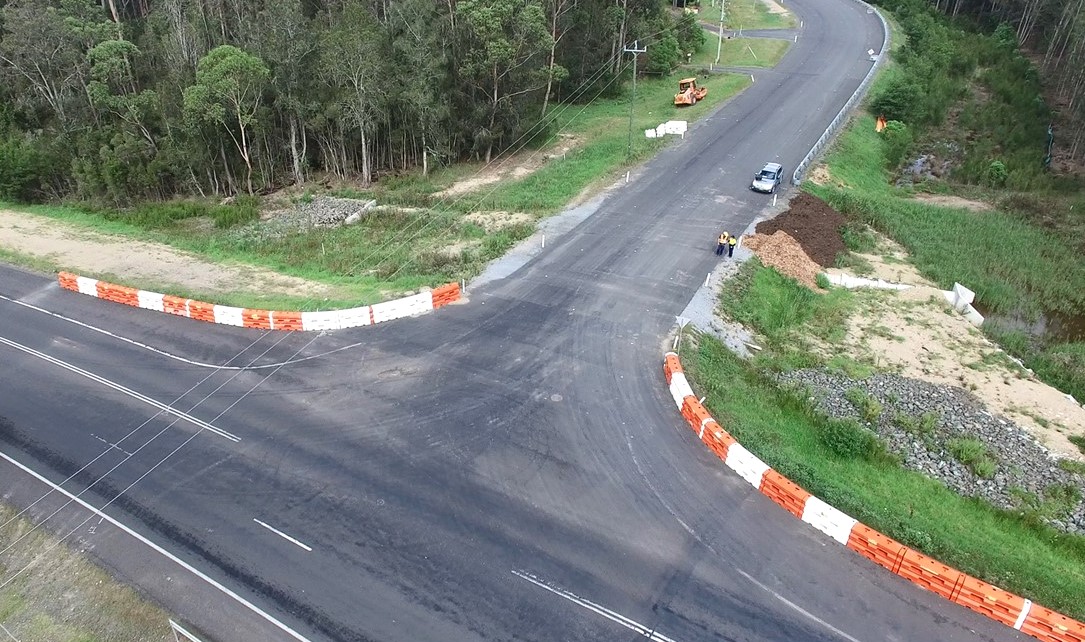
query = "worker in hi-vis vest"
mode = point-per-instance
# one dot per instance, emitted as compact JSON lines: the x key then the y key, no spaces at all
{"x":731,"y":243}
{"x":721,"y":243}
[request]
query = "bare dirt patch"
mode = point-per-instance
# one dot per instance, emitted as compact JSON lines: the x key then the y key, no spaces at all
{"x":494,"y":221}
{"x":916,"y":334}
{"x":515,"y":166}
{"x":85,"y":251}
{"x":946,"y":200}
{"x":784,"y":253}
{"x":814,"y":224}
{"x":775,"y":7}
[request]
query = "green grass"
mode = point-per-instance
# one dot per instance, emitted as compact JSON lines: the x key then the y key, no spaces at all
{"x":65,"y":598}
{"x":344,"y":258}
{"x":400,"y":250}
{"x":973,"y":454}
{"x":1011,"y":550}
{"x":747,"y":14}
{"x":1079,"y":441}
{"x":742,"y":52}
{"x":952,"y":245}
{"x":780,"y":309}
{"x":604,"y":128}
{"x":869,"y":408}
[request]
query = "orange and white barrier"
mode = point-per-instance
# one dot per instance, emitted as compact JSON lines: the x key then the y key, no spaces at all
{"x":986,"y":599}
{"x":264,"y":319}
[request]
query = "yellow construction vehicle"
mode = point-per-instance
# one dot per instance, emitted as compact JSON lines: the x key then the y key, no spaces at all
{"x":688,"y":92}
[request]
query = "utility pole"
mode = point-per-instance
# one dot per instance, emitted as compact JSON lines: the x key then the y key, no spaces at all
{"x":719,"y":47}
{"x":636,"y":51}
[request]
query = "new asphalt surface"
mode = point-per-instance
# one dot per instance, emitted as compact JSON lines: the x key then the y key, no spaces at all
{"x":508,"y":469}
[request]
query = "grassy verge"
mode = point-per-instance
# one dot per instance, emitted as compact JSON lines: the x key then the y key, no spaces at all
{"x":746,"y":14}
{"x":742,"y":52}
{"x":1015,"y":266}
{"x":420,"y":239}
{"x":603,"y":127}
{"x":64,"y":598}
{"x":846,"y":467}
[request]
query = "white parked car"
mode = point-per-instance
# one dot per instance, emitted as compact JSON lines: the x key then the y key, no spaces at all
{"x":768,"y":179}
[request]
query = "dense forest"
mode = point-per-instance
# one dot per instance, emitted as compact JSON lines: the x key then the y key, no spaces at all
{"x":120,"y":101}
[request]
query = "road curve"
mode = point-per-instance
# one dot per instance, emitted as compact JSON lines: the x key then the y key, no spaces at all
{"x":509,"y":469}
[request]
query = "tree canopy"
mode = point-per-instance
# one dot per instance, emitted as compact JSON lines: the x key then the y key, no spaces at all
{"x":126,"y":100}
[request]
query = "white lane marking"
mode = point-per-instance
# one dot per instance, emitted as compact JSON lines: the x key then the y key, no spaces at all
{"x":112,"y":445}
{"x":796,"y":607}
{"x":118,"y":387}
{"x":158,"y":549}
{"x":283,"y":535}
{"x":198,"y":364}
{"x":636,"y":627}
{"x":4,"y":628}
{"x":697,"y":537}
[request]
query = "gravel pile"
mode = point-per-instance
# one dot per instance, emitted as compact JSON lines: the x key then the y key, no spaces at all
{"x":924,"y":444}
{"x":328,"y":211}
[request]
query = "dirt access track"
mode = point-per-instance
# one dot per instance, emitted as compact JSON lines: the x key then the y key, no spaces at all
{"x":77,"y":248}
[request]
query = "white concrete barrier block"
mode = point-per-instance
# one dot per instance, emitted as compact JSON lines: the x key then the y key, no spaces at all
{"x":405,"y":307}
{"x":227,"y":315}
{"x":322,"y":320}
{"x":964,"y":295}
{"x":680,"y":388}
{"x":650,"y":133}
{"x":354,"y":317}
{"x":151,"y":300}
{"x":87,"y":285}
{"x":828,"y":520}
{"x":746,"y":464}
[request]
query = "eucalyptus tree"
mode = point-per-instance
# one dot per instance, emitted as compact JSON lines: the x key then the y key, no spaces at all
{"x":503,"y":60}
{"x":227,"y":94}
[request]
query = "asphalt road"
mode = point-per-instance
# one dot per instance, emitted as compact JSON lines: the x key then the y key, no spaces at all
{"x":508,"y":469}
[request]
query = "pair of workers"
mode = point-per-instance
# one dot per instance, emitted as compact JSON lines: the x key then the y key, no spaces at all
{"x":726,"y":242}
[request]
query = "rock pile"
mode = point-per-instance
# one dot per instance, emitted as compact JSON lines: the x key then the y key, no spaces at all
{"x":328,"y":211}
{"x":920,"y":422}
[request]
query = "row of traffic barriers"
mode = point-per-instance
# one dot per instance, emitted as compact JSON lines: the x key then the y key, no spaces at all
{"x":264,"y":319}
{"x":1005,"y":607}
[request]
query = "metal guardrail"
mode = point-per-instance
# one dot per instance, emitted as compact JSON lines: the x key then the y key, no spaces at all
{"x":842,"y":115}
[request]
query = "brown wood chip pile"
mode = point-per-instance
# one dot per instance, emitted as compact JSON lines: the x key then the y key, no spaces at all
{"x":784,"y":253}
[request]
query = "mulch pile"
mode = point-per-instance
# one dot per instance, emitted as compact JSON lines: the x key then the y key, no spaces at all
{"x":784,"y":253}
{"x":814,"y":224}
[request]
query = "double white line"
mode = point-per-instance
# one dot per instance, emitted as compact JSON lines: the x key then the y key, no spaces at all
{"x":632,"y":625}
{"x":119,"y":388}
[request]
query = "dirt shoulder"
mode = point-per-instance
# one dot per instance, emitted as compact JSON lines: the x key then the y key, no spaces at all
{"x":84,"y":251}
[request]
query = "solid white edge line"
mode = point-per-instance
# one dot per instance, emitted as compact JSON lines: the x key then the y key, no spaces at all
{"x":283,"y":535}
{"x":617,"y":618}
{"x":120,"y":388}
{"x":173,"y":558}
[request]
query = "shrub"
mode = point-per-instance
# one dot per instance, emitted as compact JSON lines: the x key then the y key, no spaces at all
{"x":869,"y":408}
{"x":973,"y":454}
{"x":847,"y":439}
{"x":664,"y":56}
{"x":897,"y":100}
{"x":22,"y":170}
{"x":996,"y":174}
{"x":898,"y":141}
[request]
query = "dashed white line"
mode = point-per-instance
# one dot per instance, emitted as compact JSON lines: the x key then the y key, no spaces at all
{"x":118,"y":387}
{"x":618,"y":618}
{"x":283,"y":535}
{"x":176,"y":560}
{"x":112,"y":445}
